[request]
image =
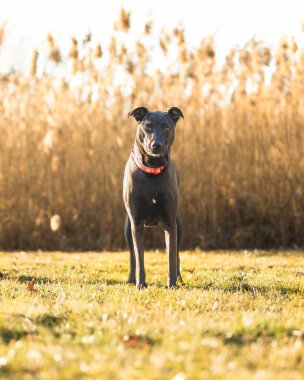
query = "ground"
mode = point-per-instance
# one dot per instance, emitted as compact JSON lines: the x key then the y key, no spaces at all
{"x":72,"y":316}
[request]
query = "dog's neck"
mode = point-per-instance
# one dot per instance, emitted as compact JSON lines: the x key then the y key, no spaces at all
{"x":148,"y":160}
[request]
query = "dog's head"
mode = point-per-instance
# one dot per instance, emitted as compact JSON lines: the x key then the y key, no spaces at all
{"x":155,"y":131}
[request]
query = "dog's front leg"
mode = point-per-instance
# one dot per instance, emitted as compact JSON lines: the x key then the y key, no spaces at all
{"x":137,"y":235}
{"x":171,"y":245}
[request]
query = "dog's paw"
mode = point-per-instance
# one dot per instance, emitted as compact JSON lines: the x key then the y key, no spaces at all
{"x":180,"y":280}
{"x":141,"y":286}
{"x":131,"y":281}
{"x":172,"y":286}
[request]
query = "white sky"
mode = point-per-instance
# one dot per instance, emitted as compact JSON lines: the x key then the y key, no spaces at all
{"x":230,"y":21}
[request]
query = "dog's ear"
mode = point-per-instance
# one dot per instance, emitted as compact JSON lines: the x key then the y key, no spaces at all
{"x":175,"y":114}
{"x":139,"y":113}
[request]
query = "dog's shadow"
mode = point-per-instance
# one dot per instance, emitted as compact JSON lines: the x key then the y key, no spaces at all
{"x":241,"y":287}
{"x":244,"y":287}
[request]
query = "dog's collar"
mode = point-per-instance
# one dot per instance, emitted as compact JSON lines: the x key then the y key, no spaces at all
{"x":141,"y":166}
{"x":147,"y":169}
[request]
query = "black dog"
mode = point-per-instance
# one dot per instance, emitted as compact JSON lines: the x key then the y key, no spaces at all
{"x":151,"y":190}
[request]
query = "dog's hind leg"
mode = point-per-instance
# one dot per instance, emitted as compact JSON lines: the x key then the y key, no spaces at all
{"x":179,"y":240}
{"x":129,"y":240}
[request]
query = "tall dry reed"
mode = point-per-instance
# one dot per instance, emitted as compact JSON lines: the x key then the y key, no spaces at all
{"x":240,"y":150}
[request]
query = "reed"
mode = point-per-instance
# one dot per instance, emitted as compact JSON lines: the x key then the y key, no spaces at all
{"x":65,"y":139}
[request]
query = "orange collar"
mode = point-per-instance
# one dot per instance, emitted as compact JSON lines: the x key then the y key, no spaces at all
{"x":147,"y":169}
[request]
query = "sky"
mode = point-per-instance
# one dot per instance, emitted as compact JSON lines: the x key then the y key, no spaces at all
{"x":27,"y":22}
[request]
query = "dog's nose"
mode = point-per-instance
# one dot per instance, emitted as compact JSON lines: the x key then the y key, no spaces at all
{"x":156,"y":146}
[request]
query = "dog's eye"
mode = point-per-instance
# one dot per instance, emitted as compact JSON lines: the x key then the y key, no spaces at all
{"x":167,"y":130}
{"x":148,"y":129}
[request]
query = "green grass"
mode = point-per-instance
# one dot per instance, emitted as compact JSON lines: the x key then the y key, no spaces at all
{"x":240,"y":315}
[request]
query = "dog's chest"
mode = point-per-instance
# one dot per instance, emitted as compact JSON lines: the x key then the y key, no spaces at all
{"x":153,"y":206}
{"x":153,"y":209}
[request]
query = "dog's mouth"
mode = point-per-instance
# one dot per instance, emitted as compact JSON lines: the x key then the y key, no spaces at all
{"x":155,"y":151}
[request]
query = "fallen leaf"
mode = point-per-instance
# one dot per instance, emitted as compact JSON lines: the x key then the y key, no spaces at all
{"x":31,"y":287}
{"x":134,"y":341}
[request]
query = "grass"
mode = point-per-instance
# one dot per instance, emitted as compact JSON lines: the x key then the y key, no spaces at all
{"x":71,"y":316}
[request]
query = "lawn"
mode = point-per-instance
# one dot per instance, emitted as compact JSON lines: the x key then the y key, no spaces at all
{"x":240,"y":315}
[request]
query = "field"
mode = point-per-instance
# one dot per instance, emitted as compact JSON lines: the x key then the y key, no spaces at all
{"x":66,"y":310}
{"x":71,"y":316}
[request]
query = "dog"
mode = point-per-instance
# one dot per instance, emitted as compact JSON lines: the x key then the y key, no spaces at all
{"x":151,"y":190}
